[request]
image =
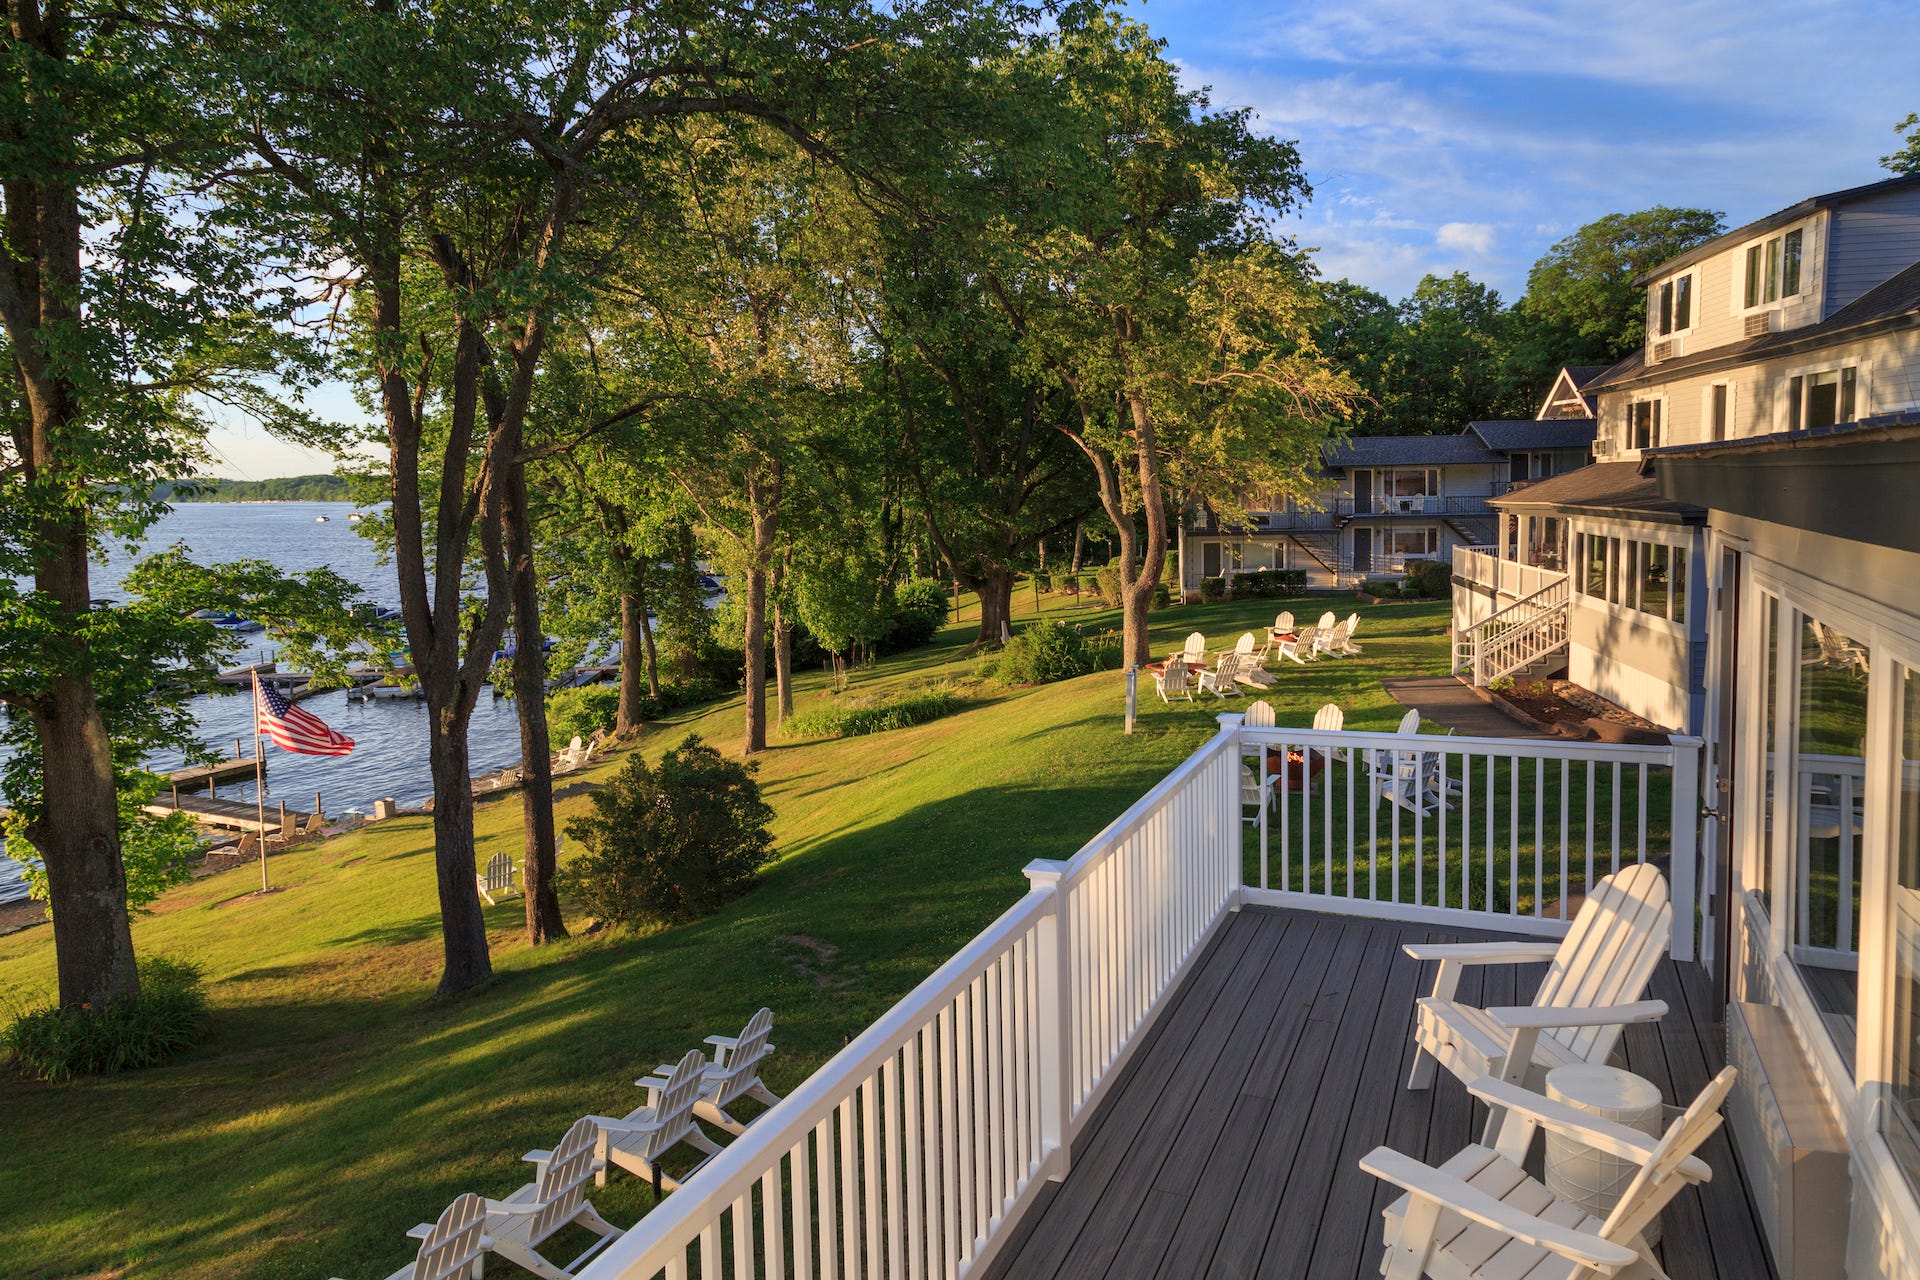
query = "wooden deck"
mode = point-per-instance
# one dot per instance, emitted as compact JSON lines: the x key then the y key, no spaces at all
{"x":1230,"y":1146}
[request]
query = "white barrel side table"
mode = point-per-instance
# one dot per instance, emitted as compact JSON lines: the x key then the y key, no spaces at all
{"x":1595,"y":1180}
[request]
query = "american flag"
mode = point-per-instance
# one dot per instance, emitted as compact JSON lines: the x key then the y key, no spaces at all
{"x":293,"y":729}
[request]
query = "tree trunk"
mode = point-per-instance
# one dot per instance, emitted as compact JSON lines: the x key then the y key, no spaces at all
{"x":783,"y":661}
{"x":1079,"y":544}
{"x":996,"y":605}
{"x":638,"y":660}
{"x":756,"y":654}
{"x":544,"y":922}
{"x":78,"y":830}
{"x":463,"y":930}
{"x":1139,"y":594}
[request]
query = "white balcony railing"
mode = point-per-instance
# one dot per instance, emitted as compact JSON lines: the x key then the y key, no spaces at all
{"x":915,"y":1149}
{"x":1506,"y":579}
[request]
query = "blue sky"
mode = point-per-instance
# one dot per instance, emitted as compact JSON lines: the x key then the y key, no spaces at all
{"x":1450,"y":136}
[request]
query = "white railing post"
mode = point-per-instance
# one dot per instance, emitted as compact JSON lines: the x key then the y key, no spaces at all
{"x":1053,"y":1020}
{"x":1230,"y":722}
{"x":1684,"y":834}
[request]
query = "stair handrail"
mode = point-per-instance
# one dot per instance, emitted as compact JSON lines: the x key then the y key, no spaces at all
{"x":1508,"y":627}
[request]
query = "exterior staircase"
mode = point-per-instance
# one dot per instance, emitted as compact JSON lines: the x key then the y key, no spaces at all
{"x":1527,"y":639}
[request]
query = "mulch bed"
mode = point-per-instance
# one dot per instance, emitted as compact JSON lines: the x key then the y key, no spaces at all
{"x":1572,"y":709}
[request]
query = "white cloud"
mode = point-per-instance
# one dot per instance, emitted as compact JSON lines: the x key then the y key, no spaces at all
{"x":1468,"y":237}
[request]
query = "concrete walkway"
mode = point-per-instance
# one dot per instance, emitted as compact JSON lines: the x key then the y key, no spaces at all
{"x":1449,"y":702}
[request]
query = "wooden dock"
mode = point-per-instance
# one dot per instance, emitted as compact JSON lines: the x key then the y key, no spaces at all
{"x":231,"y":815}
{"x":237,"y":769}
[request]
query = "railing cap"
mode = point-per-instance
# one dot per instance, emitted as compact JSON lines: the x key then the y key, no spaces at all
{"x":1043,"y":872}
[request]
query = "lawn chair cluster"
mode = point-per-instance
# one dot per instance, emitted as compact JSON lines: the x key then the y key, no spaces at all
{"x":678,"y":1099}
{"x":1482,"y":1214}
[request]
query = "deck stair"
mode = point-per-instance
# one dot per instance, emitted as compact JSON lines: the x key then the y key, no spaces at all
{"x":1528,"y":638}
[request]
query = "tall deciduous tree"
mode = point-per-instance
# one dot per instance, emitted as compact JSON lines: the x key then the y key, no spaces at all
{"x":125,"y":304}
{"x":1583,"y":290}
{"x":1907,"y":159}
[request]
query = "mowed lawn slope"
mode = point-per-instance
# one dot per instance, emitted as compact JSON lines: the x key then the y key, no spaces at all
{"x":336,"y":1103}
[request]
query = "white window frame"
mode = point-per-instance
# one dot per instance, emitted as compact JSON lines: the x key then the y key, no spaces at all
{"x":1706,"y":410}
{"x":1862,"y":368}
{"x":1654,"y":332}
{"x":1430,"y":536}
{"x":1741,"y":256}
{"x":1630,"y":442}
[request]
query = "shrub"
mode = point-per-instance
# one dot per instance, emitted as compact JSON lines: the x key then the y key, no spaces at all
{"x":671,"y":842}
{"x":852,"y":721}
{"x":1429,"y":579}
{"x":120,"y":1034}
{"x":1213,"y":590}
{"x":1066,"y":582}
{"x":1162,"y":596}
{"x":919,"y":611}
{"x":581,"y":712}
{"x":1107,"y":583}
{"x":1047,"y":652}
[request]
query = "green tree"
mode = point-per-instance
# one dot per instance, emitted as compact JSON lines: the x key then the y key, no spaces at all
{"x":1907,"y":159}
{"x":1582,"y":291}
{"x":1446,"y":363}
{"x":1360,"y":331}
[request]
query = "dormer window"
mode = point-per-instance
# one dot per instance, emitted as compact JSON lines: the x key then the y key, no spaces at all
{"x":1643,"y":424}
{"x":1773,"y":268}
{"x":1673,"y":305}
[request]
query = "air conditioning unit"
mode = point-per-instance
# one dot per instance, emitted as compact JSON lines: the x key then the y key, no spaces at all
{"x":1765,"y":322}
{"x":1662,"y":351}
{"x":1602,"y":448}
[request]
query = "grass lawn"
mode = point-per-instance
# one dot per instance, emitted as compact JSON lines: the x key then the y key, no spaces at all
{"x":336,"y":1103}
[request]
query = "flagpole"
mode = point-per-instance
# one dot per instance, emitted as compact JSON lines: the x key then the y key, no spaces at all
{"x":259,"y":780}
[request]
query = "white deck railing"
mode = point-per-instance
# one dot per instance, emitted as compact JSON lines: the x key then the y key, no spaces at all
{"x":1492,"y":833}
{"x":915,"y":1149}
{"x":1510,"y":579}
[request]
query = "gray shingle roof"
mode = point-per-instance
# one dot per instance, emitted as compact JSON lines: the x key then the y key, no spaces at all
{"x":1465,"y":449}
{"x":1507,"y":435}
{"x":1792,"y":213}
{"x":1613,"y":487}
{"x":1888,"y":305}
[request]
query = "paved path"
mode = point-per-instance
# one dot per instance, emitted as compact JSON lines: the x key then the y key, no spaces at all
{"x":1447,"y":701}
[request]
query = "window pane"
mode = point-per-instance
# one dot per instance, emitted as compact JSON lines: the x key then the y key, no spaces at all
{"x":1677,"y":578}
{"x":1793,"y":403}
{"x":1905,"y":1077}
{"x":1754,"y":260}
{"x":1790,"y":265}
{"x":1848,"y":386}
{"x":1823,"y":400}
{"x":1829,"y":799}
{"x":1720,"y":412}
{"x":1596,"y":565}
{"x":1666,"y":307}
{"x":1654,"y":435}
{"x":1617,"y":557}
{"x":1773,"y":269}
{"x":1683,"y":303}
{"x":1770,"y":691}
{"x":1653,"y":586}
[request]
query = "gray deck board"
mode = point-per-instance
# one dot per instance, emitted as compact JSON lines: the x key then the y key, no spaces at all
{"x":1229,"y":1145}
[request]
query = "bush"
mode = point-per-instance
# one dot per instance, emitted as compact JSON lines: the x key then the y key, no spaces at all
{"x":919,"y":611}
{"x":673,"y":842}
{"x":1162,"y":596}
{"x":854,"y":720}
{"x":1213,"y":590}
{"x":1429,"y":579}
{"x":1268,"y":582}
{"x":1046,"y":652}
{"x":1065,"y":582}
{"x":1107,"y":583}
{"x":117,"y":1035}
{"x":580,"y":712}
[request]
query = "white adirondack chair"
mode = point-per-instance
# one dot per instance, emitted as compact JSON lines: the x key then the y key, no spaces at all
{"x":1303,"y":647}
{"x":1250,"y":672}
{"x":1331,"y":639}
{"x":454,"y":1247}
{"x":1332,"y":719}
{"x":1327,"y":621}
{"x":637,"y":1142}
{"x":1481,"y":1215}
{"x":1347,"y":646}
{"x":1259,"y":715}
{"x":1592,"y":990}
{"x":1173,"y":679}
{"x":1255,"y":794}
{"x":557,"y":1197}
{"x":1195,"y":653}
{"x":1283,"y":622}
{"x":1223,"y":680}
{"x":497,"y":881}
{"x":734,"y":1073}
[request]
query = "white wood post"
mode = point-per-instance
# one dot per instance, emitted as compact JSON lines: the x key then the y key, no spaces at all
{"x":1233,"y":828}
{"x":1684,"y":829}
{"x":1053,"y":1021}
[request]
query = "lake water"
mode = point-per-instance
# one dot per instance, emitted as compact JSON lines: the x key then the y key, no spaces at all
{"x":390,"y":738}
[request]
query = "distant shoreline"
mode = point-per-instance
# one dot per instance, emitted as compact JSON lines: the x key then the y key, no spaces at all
{"x":320,"y":488}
